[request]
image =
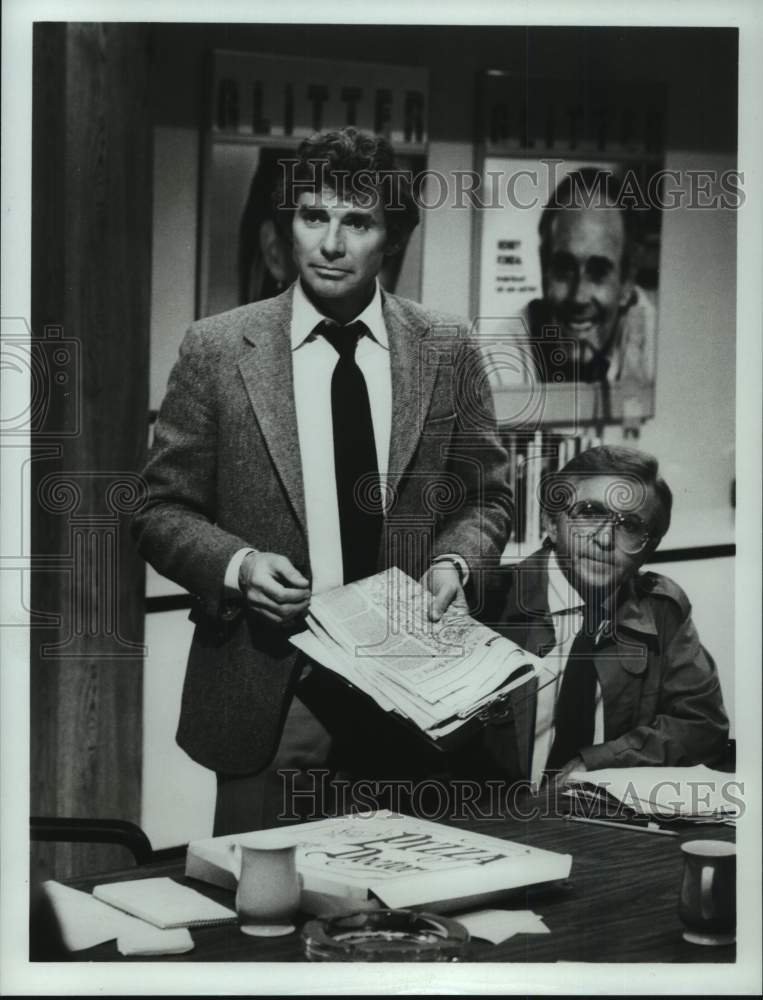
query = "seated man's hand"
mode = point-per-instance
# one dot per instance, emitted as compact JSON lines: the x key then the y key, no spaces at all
{"x":563,"y":777}
{"x":443,"y":582}
{"x":273,"y":587}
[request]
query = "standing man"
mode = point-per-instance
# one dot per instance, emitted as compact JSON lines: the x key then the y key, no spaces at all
{"x":306,"y":441}
{"x":588,"y":247}
{"x":628,"y":683}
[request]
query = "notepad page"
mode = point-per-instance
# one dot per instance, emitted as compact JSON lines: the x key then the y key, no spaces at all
{"x":163,"y":902}
{"x":683,"y":792}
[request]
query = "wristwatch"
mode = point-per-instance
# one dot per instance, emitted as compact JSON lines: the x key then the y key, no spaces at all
{"x":461,"y":568}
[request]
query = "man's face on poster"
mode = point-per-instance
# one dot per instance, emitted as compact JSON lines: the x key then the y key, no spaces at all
{"x":583,"y":280}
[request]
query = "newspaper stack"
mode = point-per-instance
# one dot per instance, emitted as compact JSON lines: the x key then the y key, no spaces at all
{"x":377,"y":635}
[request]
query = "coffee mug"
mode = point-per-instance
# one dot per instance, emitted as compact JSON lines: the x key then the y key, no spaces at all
{"x":707,"y":905}
{"x":268,"y":893}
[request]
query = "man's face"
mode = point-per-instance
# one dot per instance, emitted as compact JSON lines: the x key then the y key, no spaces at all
{"x":339,"y":248}
{"x":582,"y":279}
{"x":594,"y":555}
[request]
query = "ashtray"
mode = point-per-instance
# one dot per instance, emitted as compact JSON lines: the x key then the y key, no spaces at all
{"x":384,"y":936}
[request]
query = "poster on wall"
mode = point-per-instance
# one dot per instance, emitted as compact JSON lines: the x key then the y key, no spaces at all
{"x":569,"y":240}
{"x":260,"y":108}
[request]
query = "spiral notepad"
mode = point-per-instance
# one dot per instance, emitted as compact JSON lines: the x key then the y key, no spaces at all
{"x":164,"y":903}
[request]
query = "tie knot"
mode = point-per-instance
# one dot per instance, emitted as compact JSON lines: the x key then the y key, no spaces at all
{"x":344,"y":339}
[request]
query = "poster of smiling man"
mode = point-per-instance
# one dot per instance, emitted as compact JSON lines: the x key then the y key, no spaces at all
{"x":571,"y":188}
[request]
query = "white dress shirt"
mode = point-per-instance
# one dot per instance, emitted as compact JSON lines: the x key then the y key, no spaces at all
{"x":566,"y":608}
{"x":313,"y":363}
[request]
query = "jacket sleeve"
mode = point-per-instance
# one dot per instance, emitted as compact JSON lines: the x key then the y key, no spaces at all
{"x":480,"y":527}
{"x":176,"y":530}
{"x":689,"y":725}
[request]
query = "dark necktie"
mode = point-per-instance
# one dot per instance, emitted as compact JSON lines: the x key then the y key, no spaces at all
{"x":595,"y":369}
{"x":355,"y":462}
{"x":575,"y":713}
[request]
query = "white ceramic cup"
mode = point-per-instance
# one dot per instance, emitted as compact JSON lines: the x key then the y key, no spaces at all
{"x":267,"y":897}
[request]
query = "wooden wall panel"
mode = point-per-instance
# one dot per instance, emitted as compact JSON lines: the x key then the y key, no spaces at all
{"x":91,"y":252}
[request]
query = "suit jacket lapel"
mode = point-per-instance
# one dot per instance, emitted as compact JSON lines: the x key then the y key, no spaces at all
{"x":413,"y":381}
{"x":267,"y":373}
{"x":527,"y":615}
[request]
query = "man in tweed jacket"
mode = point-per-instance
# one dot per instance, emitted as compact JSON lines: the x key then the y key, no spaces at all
{"x":233,"y":472}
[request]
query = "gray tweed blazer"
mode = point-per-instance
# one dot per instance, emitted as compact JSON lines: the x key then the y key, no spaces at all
{"x":224,"y":472}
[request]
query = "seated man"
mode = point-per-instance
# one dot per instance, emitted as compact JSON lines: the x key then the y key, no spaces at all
{"x":628,"y":683}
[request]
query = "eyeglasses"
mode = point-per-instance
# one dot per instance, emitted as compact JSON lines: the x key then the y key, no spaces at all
{"x":630,"y":533}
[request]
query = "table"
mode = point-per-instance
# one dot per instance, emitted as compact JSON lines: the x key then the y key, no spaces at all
{"x":619,"y":905}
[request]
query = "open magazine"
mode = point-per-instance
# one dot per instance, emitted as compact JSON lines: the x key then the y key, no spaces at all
{"x":376,"y":634}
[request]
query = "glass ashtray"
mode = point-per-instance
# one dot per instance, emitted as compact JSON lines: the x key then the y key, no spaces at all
{"x":384,"y":936}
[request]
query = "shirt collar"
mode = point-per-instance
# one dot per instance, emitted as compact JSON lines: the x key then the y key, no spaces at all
{"x":633,"y":610}
{"x":562,"y":596}
{"x":305,"y":317}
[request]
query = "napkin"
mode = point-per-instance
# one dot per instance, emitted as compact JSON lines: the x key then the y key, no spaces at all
{"x":147,"y":940}
{"x":86,"y":922}
{"x":499,"y":925}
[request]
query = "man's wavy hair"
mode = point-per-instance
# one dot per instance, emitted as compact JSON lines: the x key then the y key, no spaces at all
{"x":355,"y":165}
{"x":633,"y":472}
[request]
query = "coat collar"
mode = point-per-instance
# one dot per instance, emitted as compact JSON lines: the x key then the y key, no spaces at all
{"x":269,"y":317}
{"x":268,"y":377}
{"x":305,"y":317}
{"x":413,"y":373}
{"x":632,"y":612}
{"x":269,"y":380}
{"x":618,"y":660}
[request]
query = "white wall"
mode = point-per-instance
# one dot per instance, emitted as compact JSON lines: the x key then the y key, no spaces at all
{"x":709,"y":584}
{"x":178,"y":796}
{"x":173,"y":273}
{"x":693,"y":430}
